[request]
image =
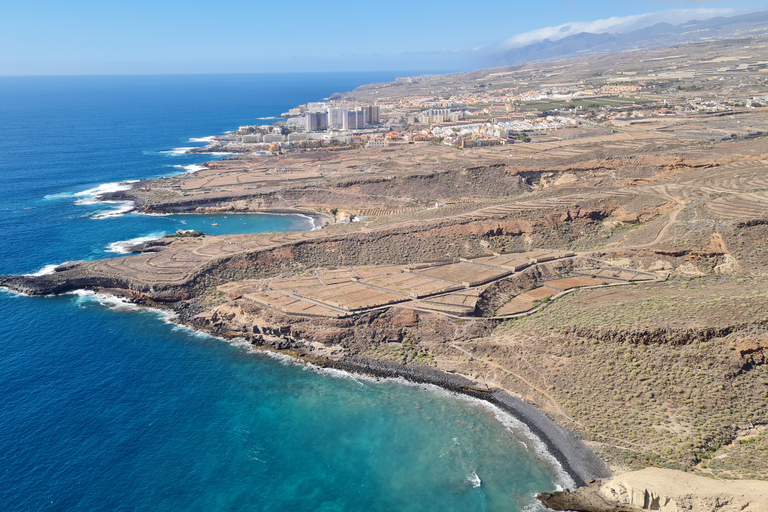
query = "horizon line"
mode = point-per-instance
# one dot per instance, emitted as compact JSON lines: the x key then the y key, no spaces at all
{"x":234,"y":73}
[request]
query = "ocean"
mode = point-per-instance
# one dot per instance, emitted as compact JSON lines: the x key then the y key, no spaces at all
{"x":106,"y":406}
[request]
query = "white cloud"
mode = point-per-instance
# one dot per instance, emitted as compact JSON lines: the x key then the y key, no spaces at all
{"x":614,"y":25}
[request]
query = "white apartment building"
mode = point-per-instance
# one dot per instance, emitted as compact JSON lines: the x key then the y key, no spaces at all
{"x":336,"y":117}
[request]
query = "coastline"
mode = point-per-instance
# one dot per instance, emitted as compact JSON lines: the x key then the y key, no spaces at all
{"x":112,"y":193}
{"x":564,"y":446}
{"x":318,"y":219}
{"x":575,"y":458}
{"x":568,"y":456}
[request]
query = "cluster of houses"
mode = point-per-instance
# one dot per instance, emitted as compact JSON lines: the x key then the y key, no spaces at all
{"x":497,"y":131}
{"x":482,"y":116}
{"x":715,"y":105}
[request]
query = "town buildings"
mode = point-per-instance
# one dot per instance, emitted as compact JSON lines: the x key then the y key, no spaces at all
{"x":316,"y":121}
{"x":353,"y":120}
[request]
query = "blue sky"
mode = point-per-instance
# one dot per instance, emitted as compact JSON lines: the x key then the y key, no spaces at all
{"x":236,"y":36}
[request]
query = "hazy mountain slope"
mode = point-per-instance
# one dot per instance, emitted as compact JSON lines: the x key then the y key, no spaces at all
{"x":655,"y":36}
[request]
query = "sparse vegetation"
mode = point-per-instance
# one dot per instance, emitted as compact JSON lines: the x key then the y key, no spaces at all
{"x":185,"y":234}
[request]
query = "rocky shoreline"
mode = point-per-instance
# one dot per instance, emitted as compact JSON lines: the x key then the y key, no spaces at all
{"x":575,"y":459}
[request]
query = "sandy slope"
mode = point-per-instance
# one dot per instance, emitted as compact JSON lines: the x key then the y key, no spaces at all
{"x":668,"y":490}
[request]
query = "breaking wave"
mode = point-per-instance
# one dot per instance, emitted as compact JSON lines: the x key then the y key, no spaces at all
{"x":124,"y":246}
{"x":192,"y":168}
{"x":48,"y":269}
{"x":177,"y":151}
{"x":90,"y":195}
{"x":122,"y":208}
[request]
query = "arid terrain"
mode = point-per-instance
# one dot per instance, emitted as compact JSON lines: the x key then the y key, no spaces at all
{"x":614,"y":274}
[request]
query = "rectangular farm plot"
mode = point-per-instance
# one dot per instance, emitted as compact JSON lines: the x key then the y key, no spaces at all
{"x":500,"y":261}
{"x":466,"y":298}
{"x":525,"y":301}
{"x":336,"y":276}
{"x":445,"y":308}
{"x":624,"y":275}
{"x":274,"y":299}
{"x":575,"y":282}
{"x":462,"y":302}
{"x":411,"y":284}
{"x":237,"y":289}
{"x":539,"y":293}
{"x":317,"y":310}
{"x":293,"y":283}
{"x":516,"y":262}
{"x":291,"y":305}
{"x":379,"y":270}
{"x":351,"y":296}
{"x":467,"y":274}
{"x":550,"y":256}
{"x":519,"y":304}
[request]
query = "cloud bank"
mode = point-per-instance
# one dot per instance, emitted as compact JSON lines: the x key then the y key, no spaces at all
{"x":613,"y":25}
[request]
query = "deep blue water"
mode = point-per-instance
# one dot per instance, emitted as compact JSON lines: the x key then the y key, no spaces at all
{"x":106,"y":407}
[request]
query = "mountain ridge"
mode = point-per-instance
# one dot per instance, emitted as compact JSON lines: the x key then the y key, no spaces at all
{"x":659,"y":35}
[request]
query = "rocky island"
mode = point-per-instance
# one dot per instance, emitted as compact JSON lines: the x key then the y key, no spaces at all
{"x":605,"y":282}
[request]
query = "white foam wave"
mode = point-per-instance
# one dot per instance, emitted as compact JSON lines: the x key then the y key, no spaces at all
{"x":267,"y":118}
{"x":515,"y":426}
{"x":474,"y":480}
{"x":360,"y":378}
{"x":283,"y":358}
{"x":177,"y":151}
{"x":312,"y":222}
{"x":564,"y":480}
{"x":122,"y":208}
{"x":238,"y":342}
{"x":90,"y":195}
{"x":166,"y":315}
{"x":194,"y":168}
{"x":124,"y":246}
{"x":13,"y":293}
{"x":60,"y":195}
{"x":155,"y":214}
{"x":48,"y":269}
{"x":107,"y":187}
{"x":113,"y":302}
{"x":172,"y":318}
{"x":534,"y":506}
{"x":209,"y":138}
{"x":116,"y":303}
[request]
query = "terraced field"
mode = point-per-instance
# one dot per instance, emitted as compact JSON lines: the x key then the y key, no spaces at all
{"x":741,"y":206}
{"x":351,"y":296}
{"x":465,"y":273}
{"x":435,"y":287}
{"x":410,"y":284}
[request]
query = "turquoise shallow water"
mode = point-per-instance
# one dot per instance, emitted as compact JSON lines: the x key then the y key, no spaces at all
{"x":106,"y":407}
{"x":218,"y":224}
